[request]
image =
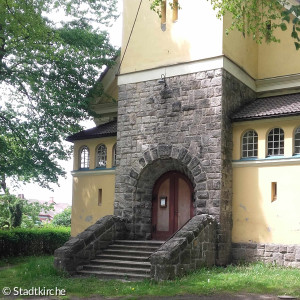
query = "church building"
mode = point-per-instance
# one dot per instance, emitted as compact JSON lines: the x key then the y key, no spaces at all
{"x":197,"y":123}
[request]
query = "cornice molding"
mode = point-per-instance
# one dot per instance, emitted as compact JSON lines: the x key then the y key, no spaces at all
{"x":172,"y":70}
{"x":264,"y":87}
{"x":81,"y":173}
{"x":105,"y":108}
{"x":267,"y":162}
{"x":278,"y":83}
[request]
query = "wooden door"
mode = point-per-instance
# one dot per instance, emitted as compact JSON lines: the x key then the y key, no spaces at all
{"x":172,"y":204}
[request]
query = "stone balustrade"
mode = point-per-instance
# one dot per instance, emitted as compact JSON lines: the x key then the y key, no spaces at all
{"x":192,"y":247}
{"x":84,"y":247}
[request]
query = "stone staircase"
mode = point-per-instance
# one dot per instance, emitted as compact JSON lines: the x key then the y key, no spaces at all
{"x":125,"y":260}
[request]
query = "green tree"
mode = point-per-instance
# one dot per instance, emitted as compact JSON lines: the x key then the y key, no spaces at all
{"x":64,"y":218}
{"x":256,"y":18}
{"x":16,"y":212}
{"x":47,"y":71}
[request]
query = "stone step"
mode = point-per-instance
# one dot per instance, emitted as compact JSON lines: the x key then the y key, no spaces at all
{"x":122,"y":257}
{"x":133,"y":247}
{"x":150,"y":243}
{"x":125,"y":260}
{"x":111,"y":251}
{"x":122,"y":263}
{"x":126,"y":270}
{"x":115,"y":275}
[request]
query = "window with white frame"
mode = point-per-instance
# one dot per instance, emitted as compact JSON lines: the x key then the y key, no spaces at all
{"x":84,"y":157}
{"x":276,"y":142}
{"x":297,"y":141}
{"x":114,"y":158}
{"x":101,"y":156}
{"x":249,"y":144}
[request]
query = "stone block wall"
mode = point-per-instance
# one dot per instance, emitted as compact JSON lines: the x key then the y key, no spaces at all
{"x":282,"y":255}
{"x":184,"y":127}
{"x":192,"y":247}
{"x":86,"y":245}
{"x":235,"y":94}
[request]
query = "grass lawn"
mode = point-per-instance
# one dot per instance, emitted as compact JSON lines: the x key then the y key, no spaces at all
{"x":257,"y":278}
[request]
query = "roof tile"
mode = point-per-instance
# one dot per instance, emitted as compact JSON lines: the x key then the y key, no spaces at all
{"x":103,"y":130}
{"x":270,"y":107}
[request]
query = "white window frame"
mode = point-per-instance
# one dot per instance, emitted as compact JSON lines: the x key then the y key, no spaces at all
{"x":297,"y":141}
{"x":275,"y":142}
{"x":101,"y":156}
{"x":84,"y":157}
{"x":249,"y":149}
{"x":114,"y":155}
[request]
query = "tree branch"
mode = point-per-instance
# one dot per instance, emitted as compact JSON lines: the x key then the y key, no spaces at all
{"x":3,"y":182}
{"x":2,"y":46}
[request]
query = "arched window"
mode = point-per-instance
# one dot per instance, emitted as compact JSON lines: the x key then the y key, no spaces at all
{"x":249,"y":144}
{"x":114,"y":157}
{"x":101,"y":156}
{"x":84,"y":157}
{"x":276,"y":142}
{"x":297,"y":141}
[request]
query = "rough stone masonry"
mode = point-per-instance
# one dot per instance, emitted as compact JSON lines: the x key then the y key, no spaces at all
{"x":186,"y":127}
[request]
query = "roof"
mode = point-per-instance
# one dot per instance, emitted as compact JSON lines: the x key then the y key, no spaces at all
{"x":270,"y":107}
{"x":103,"y":130}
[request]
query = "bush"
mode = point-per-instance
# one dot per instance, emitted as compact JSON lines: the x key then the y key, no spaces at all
{"x":64,"y":218}
{"x":32,"y":241}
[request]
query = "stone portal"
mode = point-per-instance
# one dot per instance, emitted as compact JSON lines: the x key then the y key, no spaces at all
{"x":185,"y":127}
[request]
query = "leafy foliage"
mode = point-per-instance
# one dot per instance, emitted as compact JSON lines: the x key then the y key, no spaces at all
{"x":256,"y":18}
{"x":32,"y":241}
{"x":63,"y":219}
{"x":15,"y":212}
{"x":47,"y":71}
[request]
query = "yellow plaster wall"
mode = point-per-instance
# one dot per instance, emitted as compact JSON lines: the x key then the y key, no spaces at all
{"x":241,"y":50}
{"x":196,"y":35}
{"x":262,"y":60}
{"x":85,"y":208}
{"x":86,"y":185}
{"x":255,"y":217}
{"x":278,"y":59}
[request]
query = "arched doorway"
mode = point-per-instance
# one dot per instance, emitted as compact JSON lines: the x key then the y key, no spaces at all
{"x":172,"y":204}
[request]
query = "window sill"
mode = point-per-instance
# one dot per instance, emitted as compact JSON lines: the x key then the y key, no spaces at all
{"x":248,"y":159}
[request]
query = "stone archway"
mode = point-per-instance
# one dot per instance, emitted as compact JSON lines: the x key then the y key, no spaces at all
{"x":135,"y":203}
